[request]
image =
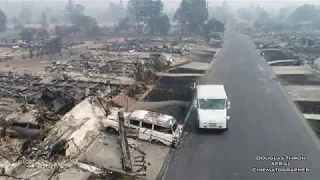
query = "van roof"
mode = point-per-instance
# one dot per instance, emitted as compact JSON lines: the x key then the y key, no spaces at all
{"x":150,"y":117}
{"x":211,"y":91}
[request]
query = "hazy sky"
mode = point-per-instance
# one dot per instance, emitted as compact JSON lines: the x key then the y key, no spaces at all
{"x":172,"y":4}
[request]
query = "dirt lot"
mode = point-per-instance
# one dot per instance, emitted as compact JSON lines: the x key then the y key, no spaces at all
{"x":29,"y":66}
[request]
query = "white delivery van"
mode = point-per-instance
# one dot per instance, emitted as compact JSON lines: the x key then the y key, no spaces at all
{"x":212,"y":105}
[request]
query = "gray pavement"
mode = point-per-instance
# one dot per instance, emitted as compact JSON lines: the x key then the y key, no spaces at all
{"x":264,"y":122}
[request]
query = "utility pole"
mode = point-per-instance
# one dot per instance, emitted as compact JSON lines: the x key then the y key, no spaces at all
{"x":137,"y":17}
{"x":151,"y":19}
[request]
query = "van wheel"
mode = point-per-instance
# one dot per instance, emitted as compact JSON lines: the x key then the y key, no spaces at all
{"x":111,"y":130}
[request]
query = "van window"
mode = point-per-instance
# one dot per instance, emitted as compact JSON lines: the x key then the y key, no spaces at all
{"x":146,"y":125}
{"x":135,"y":122}
{"x":161,"y":129}
{"x":174,"y":127}
{"x":212,"y":103}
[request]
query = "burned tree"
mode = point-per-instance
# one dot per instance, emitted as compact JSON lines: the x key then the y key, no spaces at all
{"x":53,"y":45}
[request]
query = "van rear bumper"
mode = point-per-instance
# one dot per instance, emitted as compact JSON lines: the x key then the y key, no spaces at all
{"x":213,"y":125}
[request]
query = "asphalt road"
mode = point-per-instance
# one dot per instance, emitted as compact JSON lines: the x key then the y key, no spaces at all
{"x":264,"y":122}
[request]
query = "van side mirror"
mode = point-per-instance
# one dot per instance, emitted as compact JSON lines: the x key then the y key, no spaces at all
{"x":228,"y":104}
{"x":228,"y":117}
{"x":195,"y":103}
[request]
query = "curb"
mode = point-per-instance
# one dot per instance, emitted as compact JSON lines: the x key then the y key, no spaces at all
{"x":211,"y":63}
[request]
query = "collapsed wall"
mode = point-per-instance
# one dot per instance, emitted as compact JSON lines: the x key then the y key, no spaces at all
{"x":81,"y":125}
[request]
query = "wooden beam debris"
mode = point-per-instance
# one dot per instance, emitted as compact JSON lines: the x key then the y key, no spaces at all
{"x":126,"y":160}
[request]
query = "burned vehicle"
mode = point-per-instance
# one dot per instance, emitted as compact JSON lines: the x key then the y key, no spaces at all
{"x":154,"y":127}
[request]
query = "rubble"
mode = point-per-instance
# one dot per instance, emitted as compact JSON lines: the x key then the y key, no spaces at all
{"x":139,"y":47}
{"x":113,"y":67}
{"x":62,"y":122}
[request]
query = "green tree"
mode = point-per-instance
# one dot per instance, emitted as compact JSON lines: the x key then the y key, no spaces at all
{"x":192,"y":12}
{"x":302,"y":13}
{"x":162,"y":25}
{"x":74,"y":30}
{"x":155,"y":11}
{"x":42,"y":33}
{"x":3,"y":21}
{"x":263,"y":16}
{"x":78,"y":9}
{"x":73,"y":10}
{"x":25,"y":15}
{"x":181,"y":15}
{"x":137,"y":12}
{"x":15,"y":20}
{"x":68,"y":10}
{"x":123,"y":25}
{"x":212,"y":25}
{"x":87,"y":24}
{"x":28,"y":34}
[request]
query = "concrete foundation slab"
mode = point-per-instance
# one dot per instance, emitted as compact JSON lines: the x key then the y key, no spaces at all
{"x":155,"y":156}
{"x":196,"y":66}
{"x":286,"y":62}
{"x":105,"y":152}
{"x":312,"y":116}
{"x":304,"y":93}
{"x":281,"y":70}
{"x":73,"y":174}
{"x":178,"y":74}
